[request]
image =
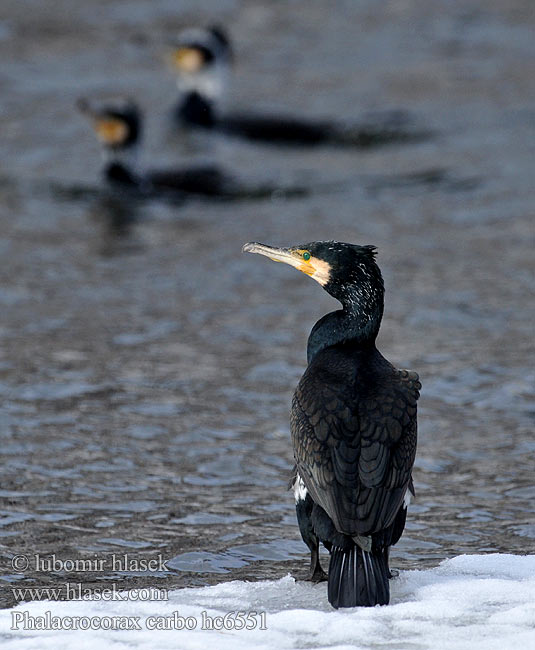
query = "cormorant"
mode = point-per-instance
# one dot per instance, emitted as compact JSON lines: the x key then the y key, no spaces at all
{"x":202,"y":58}
{"x":118,"y":126}
{"x":353,"y":427}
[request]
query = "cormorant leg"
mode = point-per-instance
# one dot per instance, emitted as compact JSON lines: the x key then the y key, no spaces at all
{"x":392,"y":573}
{"x":317,"y":574}
{"x":303,"y":509}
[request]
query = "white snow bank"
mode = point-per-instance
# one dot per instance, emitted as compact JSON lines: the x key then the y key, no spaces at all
{"x":477,"y":602}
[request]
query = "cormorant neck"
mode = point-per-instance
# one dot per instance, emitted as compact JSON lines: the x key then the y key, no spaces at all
{"x":355,"y":323}
{"x":120,"y":166}
{"x":209,"y":84}
{"x":197,"y":109}
{"x":201,"y":94}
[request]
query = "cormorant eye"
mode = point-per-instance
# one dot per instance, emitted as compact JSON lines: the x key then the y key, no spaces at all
{"x":306,"y":256}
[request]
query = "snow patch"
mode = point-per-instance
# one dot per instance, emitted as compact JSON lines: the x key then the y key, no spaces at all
{"x":481,"y":602}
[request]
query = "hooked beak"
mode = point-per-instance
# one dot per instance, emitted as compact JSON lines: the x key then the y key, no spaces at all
{"x":289,"y":256}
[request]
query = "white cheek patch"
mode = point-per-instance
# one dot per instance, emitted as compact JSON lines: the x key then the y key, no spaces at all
{"x":322,"y":271}
{"x":300,"y":491}
{"x":209,"y":83}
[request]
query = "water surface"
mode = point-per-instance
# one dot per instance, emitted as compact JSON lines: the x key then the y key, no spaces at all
{"x":147,"y":366}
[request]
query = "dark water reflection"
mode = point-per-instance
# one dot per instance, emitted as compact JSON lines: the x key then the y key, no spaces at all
{"x":146,"y":366}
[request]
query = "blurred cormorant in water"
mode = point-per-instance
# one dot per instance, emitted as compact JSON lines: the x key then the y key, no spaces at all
{"x":353,"y":426}
{"x":202,"y":59}
{"x":118,"y":125}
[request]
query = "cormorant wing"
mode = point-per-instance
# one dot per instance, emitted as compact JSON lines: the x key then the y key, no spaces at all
{"x":207,"y":180}
{"x":278,"y":129}
{"x":371,"y":130}
{"x":354,"y":436}
{"x":213,"y":182}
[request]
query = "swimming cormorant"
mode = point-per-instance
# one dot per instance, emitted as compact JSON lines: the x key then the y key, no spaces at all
{"x":118,"y":125}
{"x":353,"y":427}
{"x":202,"y":57}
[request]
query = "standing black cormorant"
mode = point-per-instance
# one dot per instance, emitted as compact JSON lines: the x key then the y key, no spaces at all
{"x":353,"y":426}
{"x":202,"y":58}
{"x":118,"y":124}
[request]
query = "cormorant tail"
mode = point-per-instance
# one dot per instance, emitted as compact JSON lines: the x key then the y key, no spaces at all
{"x":358,"y":578}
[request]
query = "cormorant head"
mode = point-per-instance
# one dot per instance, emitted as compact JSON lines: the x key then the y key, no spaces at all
{"x":201,"y":57}
{"x":117,"y":123}
{"x":347,"y":271}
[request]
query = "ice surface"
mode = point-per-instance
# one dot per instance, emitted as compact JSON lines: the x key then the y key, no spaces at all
{"x":477,"y":602}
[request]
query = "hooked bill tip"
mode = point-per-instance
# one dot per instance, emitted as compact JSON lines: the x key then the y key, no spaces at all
{"x":249,"y":247}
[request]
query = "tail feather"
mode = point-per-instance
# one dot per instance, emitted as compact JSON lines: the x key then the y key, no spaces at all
{"x":358,"y":578}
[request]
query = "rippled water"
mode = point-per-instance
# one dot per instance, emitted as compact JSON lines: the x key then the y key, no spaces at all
{"x":147,"y":366}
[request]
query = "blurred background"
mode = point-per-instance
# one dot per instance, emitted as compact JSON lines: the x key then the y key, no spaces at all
{"x":147,"y":366}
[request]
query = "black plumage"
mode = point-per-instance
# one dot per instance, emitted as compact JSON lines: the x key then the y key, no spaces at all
{"x":353,"y":426}
{"x":196,"y":111}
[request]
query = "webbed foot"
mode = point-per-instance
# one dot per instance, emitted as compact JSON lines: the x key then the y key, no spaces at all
{"x":318,"y":575}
